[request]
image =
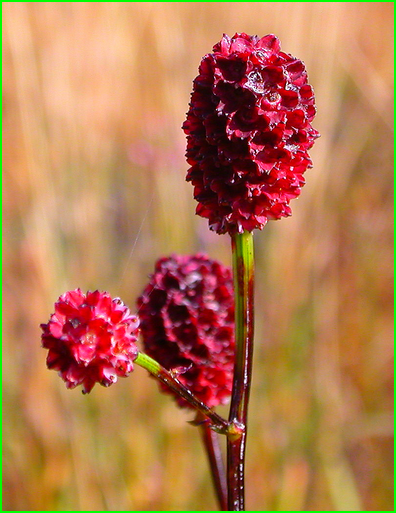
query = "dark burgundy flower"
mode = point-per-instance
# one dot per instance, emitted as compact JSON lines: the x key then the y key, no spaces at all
{"x":91,"y":339}
{"x":248,"y":133}
{"x":187,"y":322}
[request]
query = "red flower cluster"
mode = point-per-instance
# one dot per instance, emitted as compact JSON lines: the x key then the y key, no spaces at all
{"x":91,"y":339}
{"x":187,"y":322}
{"x":248,"y":131}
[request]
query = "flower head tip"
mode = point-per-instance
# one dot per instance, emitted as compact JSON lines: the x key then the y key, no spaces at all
{"x":91,"y":339}
{"x":187,"y":323}
{"x":248,"y":132}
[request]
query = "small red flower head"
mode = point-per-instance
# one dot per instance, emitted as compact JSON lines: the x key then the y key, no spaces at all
{"x":91,"y":339}
{"x":187,"y":322}
{"x":248,"y":133}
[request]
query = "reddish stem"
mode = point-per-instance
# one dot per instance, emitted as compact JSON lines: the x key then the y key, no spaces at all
{"x":243,"y":268}
{"x":213,"y":450}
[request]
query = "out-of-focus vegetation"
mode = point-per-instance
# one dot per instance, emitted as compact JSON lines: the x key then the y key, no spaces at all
{"x":94,"y":96}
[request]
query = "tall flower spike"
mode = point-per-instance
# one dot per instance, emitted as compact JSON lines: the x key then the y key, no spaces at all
{"x":187,"y":322}
{"x":248,"y":133}
{"x":91,"y":339}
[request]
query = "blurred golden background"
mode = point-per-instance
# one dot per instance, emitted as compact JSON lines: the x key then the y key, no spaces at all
{"x":94,"y":96}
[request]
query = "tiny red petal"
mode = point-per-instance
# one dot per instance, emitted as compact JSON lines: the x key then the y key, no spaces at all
{"x":91,"y":339}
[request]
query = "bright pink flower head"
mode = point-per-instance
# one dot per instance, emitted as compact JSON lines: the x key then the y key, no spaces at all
{"x":91,"y":339}
{"x":248,"y":133}
{"x":187,"y":322}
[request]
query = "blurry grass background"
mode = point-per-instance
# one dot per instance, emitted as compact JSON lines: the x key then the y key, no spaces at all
{"x":94,"y":95}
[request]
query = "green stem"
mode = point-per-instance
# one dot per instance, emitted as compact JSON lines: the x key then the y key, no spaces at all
{"x":169,"y":378}
{"x":243,"y":269}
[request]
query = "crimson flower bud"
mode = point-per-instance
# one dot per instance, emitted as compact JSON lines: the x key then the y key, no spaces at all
{"x":91,"y":339}
{"x":248,"y":133}
{"x":187,"y":322}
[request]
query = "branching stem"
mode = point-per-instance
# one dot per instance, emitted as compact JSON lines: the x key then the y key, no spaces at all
{"x":169,"y":378}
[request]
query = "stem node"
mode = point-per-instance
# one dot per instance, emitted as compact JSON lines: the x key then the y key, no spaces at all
{"x":235,"y":431}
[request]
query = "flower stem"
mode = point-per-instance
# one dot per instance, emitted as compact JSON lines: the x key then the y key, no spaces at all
{"x":169,"y":378}
{"x":213,"y":450}
{"x":243,"y":269}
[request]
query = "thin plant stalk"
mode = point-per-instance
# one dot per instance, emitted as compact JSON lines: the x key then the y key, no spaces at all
{"x":213,"y":450}
{"x":169,"y":378}
{"x":243,"y":270}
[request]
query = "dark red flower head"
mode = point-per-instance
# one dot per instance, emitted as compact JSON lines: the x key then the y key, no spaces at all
{"x":91,"y":339}
{"x":187,"y":322}
{"x":248,"y":133}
